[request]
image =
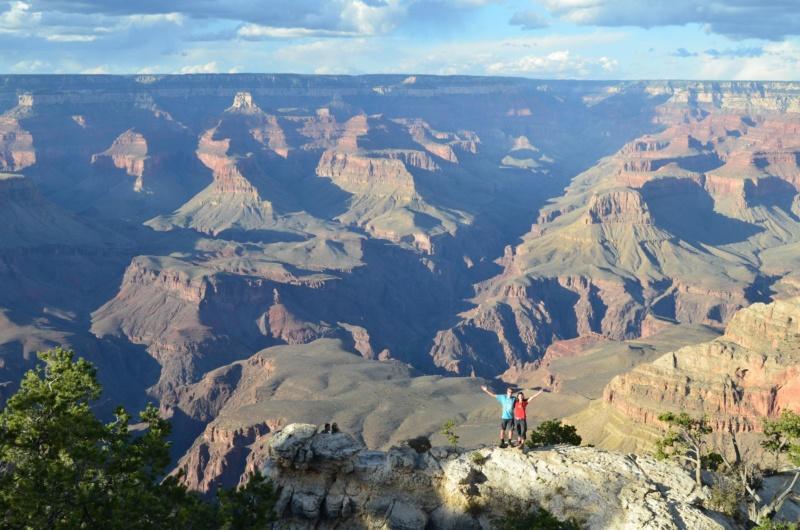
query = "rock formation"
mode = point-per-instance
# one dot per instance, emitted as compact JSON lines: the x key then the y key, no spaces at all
{"x":230,"y":202}
{"x":264,"y":128}
{"x":390,"y":218}
{"x":239,"y":406}
{"x":750,"y":373}
{"x":671,"y":226}
{"x":385,"y":199}
{"x":331,"y":480}
{"x":128,"y":152}
{"x":382,"y":177}
{"x":16,"y":144}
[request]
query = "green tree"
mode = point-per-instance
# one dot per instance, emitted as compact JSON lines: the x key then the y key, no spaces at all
{"x":553,"y":432}
{"x":686,"y":441}
{"x":245,"y":507}
{"x":782,"y":437}
{"x":61,"y":467}
{"x":448,"y":430}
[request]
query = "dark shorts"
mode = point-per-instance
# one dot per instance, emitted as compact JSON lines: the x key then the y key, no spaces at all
{"x":506,"y":424}
{"x":521,"y":426}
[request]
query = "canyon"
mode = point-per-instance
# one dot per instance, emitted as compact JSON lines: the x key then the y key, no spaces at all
{"x":735,"y":381}
{"x":253,"y":251}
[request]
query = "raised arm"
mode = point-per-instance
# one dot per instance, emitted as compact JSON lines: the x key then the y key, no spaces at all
{"x":536,"y":394}
{"x":487,"y":391}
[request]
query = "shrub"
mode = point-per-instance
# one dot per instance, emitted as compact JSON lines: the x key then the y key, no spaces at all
{"x":712,"y":461}
{"x":478,"y":458}
{"x":777,"y":525}
{"x":726,"y":496}
{"x":553,"y":432}
{"x":537,"y":519}
{"x":449,"y":432}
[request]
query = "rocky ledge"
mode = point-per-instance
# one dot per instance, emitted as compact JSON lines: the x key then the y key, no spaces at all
{"x":333,"y":481}
{"x":750,"y":373}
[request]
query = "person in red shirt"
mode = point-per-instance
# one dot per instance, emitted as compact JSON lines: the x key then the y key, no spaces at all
{"x":521,"y":416}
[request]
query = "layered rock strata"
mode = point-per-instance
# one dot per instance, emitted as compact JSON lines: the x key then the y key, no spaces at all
{"x":672,"y":226}
{"x":128,"y":152}
{"x":750,"y":373}
{"x":331,"y":480}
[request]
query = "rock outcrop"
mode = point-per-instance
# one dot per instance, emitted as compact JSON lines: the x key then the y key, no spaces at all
{"x":750,"y":373}
{"x":230,"y":202}
{"x":618,"y":206}
{"x":381,"y":177}
{"x":128,"y":152}
{"x":331,"y":481}
{"x":241,"y":405}
{"x":672,"y":226}
{"x":441,"y":143}
{"x":16,"y":145}
{"x":263,"y":128}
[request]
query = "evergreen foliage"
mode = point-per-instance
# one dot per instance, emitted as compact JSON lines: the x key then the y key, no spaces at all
{"x":553,"y":432}
{"x":61,"y":467}
{"x":537,"y":519}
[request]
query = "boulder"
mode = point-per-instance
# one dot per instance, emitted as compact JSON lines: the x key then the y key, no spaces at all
{"x":341,"y":480}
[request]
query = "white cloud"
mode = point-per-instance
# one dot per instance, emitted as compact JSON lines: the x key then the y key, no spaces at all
{"x":561,"y":63}
{"x":528,"y":20}
{"x":373,"y":18}
{"x":257,"y":31}
{"x":517,"y":56}
{"x":67,"y":37}
{"x":29,"y":66}
{"x":321,"y":53}
{"x":97,"y":70}
{"x":152,"y":19}
{"x":19,"y":17}
{"x":738,"y":19}
{"x":779,"y":62}
{"x":207,"y":68}
{"x":22,"y":21}
{"x":149,"y":70}
{"x":512,"y":55}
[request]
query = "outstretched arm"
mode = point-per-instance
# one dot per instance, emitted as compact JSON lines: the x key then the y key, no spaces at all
{"x":536,"y":394}
{"x":487,"y":391}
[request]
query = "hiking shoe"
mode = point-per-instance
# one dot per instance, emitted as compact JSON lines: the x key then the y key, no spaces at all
{"x":503,"y":445}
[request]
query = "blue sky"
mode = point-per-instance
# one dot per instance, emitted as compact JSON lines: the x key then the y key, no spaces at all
{"x":582,"y":39}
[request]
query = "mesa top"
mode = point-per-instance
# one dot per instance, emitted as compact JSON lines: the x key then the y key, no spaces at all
{"x":508,"y":406}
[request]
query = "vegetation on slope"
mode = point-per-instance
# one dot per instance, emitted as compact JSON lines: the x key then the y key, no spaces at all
{"x":737,"y":482}
{"x":62,"y":467}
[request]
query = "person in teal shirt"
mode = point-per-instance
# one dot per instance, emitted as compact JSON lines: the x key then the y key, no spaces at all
{"x":507,"y":415}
